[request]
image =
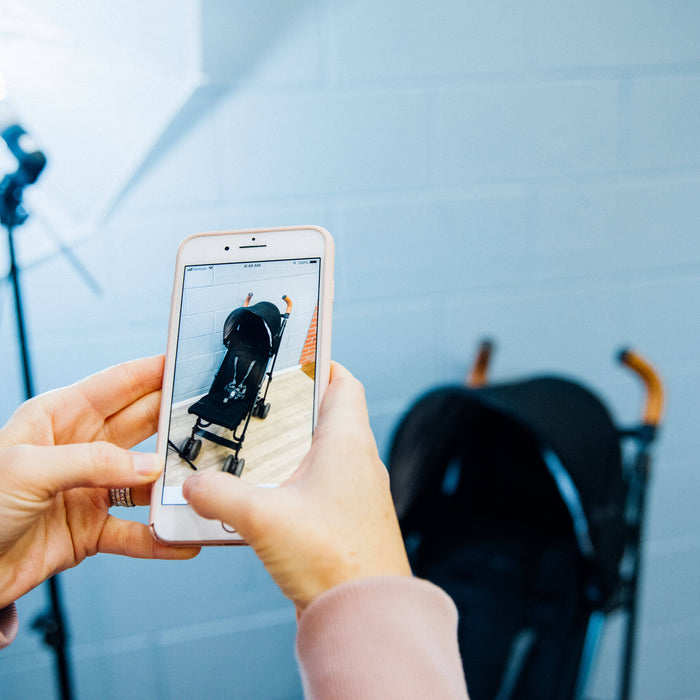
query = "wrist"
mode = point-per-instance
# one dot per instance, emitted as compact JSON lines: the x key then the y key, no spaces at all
{"x":347,"y":579}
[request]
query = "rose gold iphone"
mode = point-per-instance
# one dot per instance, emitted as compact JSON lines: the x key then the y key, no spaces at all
{"x":247,"y":362}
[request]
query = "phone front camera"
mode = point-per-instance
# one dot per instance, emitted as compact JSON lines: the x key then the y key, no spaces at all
{"x":225,"y":247}
{"x":253,"y":237}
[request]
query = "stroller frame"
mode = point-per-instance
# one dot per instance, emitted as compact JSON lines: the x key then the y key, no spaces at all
{"x":637,"y":479}
{"x":191,"y":446}
{"x":604,"y":587}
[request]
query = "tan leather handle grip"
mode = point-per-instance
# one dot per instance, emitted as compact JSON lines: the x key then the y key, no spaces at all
{"x":654,"y":400}
{"x":248,"y":298}
{"x":289,"y":304}
{"x":479,"y":372}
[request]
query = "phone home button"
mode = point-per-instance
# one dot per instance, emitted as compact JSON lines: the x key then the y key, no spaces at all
{"x":227,"y":527}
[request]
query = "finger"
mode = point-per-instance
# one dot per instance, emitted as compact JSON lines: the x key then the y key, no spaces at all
{"x":48,"y":470}
{"x":141,"y":494}
{"x":111,"y":390}
{"x":343,"y":413}
{"x":133,"y":539}
{"x":134,"y":423}
{"x":220,"y":496}
{"x":78,"y":413}
{"x":345,"y":396}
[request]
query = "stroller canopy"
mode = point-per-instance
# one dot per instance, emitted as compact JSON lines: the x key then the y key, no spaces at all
{"x":544,"y":451}
{"x":255,"y":327}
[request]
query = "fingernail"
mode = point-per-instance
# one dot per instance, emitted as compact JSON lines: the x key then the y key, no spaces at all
{"x":146,"y":464}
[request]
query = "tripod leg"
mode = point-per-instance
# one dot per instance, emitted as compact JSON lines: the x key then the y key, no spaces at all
{"x":52,"y":623}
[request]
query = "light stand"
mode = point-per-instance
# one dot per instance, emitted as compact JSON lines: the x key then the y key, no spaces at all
{"x":51,"y":623}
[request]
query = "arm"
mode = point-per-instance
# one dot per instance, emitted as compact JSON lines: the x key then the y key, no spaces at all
{"x":388,"y":637}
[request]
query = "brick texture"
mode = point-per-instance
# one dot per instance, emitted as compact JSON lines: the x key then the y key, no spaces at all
{"x":526,"y":171}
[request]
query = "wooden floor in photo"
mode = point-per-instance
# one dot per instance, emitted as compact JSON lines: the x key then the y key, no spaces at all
{"x":273,"y":447}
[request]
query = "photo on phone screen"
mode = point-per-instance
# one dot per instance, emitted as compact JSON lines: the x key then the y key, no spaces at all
{"x":245,"y":363}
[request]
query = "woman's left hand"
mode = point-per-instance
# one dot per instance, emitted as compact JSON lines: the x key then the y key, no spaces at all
{"x":60,"y":453}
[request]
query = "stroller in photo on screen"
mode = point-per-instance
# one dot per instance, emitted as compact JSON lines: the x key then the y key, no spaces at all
{"x":252,"y":337}
{"x":525,"y":502}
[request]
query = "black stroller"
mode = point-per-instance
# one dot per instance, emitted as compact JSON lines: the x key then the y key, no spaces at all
{"x":252,"y":336}
{"x":519,"y":500}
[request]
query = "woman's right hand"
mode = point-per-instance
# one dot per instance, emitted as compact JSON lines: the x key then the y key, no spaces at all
{"x":333,"y":520}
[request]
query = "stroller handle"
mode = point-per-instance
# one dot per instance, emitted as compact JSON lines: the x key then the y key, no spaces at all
{"x":478,"y":375}
{"x":289,"y":304}
{"x":654,"y":404}
{"x":248,"y":298}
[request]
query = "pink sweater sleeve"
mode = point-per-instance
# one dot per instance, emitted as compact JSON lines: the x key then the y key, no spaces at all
{"x":8,"y":625}
{"x":385,"y":637}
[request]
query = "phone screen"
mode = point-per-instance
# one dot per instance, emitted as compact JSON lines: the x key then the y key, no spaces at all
{"x":245,"y":364}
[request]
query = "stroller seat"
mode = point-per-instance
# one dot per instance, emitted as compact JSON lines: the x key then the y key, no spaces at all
{"x":523,"y":622}
{"x":234,"y":389}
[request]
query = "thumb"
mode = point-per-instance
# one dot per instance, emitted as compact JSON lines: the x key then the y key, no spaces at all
{"x":225,"y":497}
{"x":94,"y":464}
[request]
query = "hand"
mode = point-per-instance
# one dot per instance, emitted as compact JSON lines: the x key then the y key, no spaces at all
{"x":332,"y":521}
{"x":59,"y":455}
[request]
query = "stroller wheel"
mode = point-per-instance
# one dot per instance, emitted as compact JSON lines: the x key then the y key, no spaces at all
{"x":261,"y":409}
{"x":190,"y":448}
{"x":234,"y":466}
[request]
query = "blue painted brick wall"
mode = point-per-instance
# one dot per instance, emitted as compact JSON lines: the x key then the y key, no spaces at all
{"x":526,"y":171}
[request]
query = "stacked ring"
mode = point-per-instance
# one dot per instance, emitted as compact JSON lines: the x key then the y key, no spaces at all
{"x":121,"y":497}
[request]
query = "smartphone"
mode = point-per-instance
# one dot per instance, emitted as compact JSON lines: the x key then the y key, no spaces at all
{"x":246,"y":365}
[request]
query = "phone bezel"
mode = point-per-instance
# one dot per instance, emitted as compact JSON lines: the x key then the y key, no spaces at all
{"x":179,"y":524}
